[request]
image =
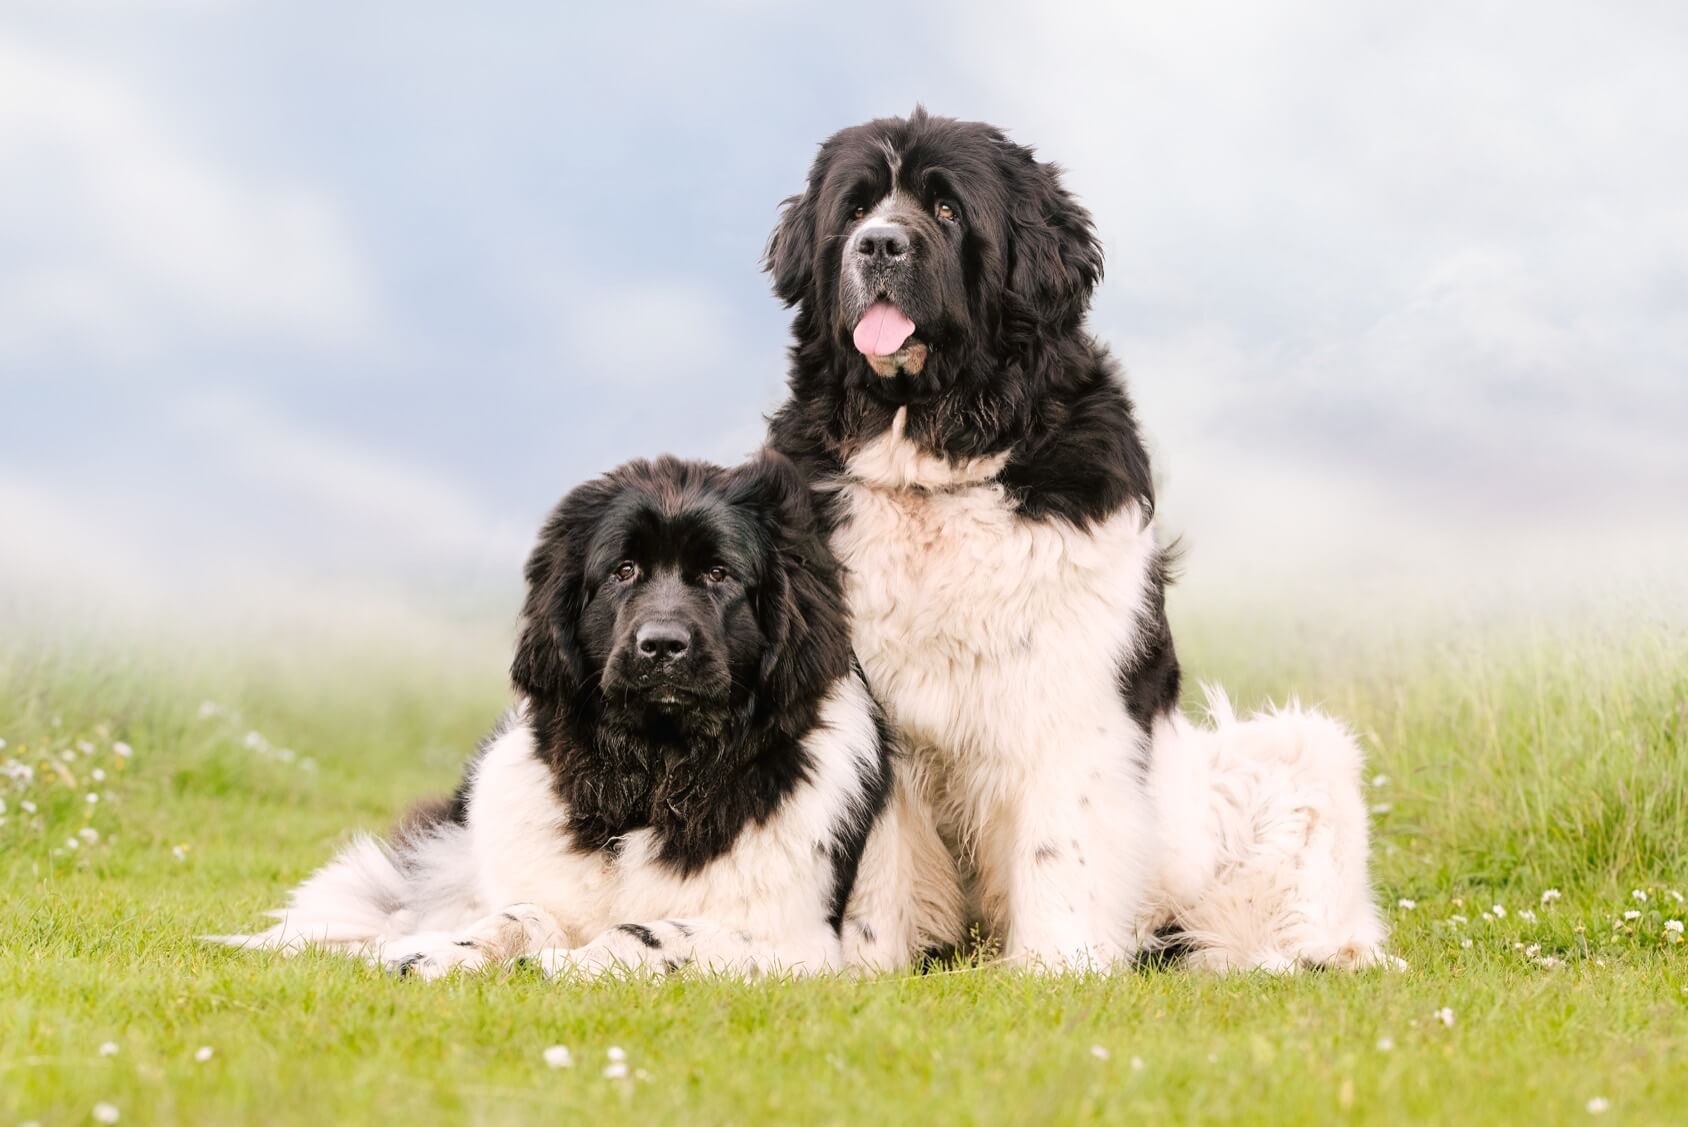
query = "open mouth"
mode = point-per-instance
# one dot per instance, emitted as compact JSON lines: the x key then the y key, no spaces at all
{"x":885,"y":336}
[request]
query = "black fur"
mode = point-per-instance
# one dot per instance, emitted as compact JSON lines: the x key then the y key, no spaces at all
{"x":999,"y":297}
{"x":850,"y":837}
{"x":699,"y":755}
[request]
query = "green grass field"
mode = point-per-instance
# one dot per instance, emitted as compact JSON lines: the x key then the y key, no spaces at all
{"x":1513,"y":760}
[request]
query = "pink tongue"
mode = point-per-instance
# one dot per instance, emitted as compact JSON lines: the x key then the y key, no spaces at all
{"x":882,"y":330}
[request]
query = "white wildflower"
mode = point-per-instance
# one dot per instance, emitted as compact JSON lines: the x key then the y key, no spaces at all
{"x":1599,"y":1105}
{"x":1137,"y":1064}
{"x":91,"y":798}
{"x":1674,"y":926}
{"x":1526,"y":915}
{"x":27,"y":806}
{"x":1099,"y":1052}
{"x":1380,"y":780}
{"x":179,"y":852}
{"x":1500,"y":913}
{"x":1632,"y":914}
{"x":616,"y":1053}
{"x":72,"y":843}
{"x":89,"y":834}
{"x":84,"y":747}
{"x":1381,"y":808}
{"x":615,"y":1070}
{"x":1678,"y":897}
{"x":203,"y":1053}
{"x":1406,"y":905}
{"x":558,"y":1056}
{"x":1466,"y":943}
{"x":1547,"y":962}
{"x":1386,"y":1044}
{"x":1445,"y":1015}
{"x":122,"y":750}
{"x":1639,"y":895}
{"x":108,"y":1049}
{"x":1550,"y":896}
{"x":1532,"y":950}
{"x":99,"y":775}
{"x":1456,"y":918}
{"x":106,"y":1113}
{"x":254,"y":741}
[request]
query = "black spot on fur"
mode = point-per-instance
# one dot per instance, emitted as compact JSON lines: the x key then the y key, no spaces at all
{"x":1149,"y":678}
{"x":1044,"y":854}
{"x":643,"y":934}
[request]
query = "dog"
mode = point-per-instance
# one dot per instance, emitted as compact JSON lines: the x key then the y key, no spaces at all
{"x":979,"y":473}
{"x":693,"y":773}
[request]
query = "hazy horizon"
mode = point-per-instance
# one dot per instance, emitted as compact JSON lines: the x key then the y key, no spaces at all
{"x":313,"y":311}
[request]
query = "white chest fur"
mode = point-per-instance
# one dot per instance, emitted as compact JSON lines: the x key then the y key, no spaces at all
{"x":994,"y":642}
{"x":960,"y":606}
{"x":777,"y":873}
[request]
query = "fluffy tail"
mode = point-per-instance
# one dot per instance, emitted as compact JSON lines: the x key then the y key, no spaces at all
{"x":357,"y":900}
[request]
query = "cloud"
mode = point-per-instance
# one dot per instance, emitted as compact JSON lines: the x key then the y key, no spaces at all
{"x":122,"y":240}
{"x":413,"y":518}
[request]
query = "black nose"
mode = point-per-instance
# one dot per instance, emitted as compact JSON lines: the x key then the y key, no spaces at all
{"x":663,"y":641}
{"x":883,"y":243}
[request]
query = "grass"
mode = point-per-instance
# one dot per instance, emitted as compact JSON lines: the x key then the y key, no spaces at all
{"x":1517,"y":761}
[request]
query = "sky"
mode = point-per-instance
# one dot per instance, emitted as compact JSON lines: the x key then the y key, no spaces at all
{"x":314,"y":309}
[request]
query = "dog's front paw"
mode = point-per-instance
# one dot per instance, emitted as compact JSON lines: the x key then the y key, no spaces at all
{"x":432,"y":955}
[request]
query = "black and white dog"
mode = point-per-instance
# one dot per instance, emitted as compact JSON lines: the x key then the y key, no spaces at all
{"x":981,"y":478}
{"x":693,"y":774}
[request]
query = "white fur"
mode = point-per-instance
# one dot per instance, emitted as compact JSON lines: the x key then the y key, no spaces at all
{"x":1264,"y":854}
{"x":508,"y":883}
{"x":993,"y":643}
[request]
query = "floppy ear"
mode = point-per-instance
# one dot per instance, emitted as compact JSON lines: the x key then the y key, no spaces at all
{"x":1057,"y":259}
{"x":789,"y":257}
{"x":550,"y":664}
{"x":800,"y":600}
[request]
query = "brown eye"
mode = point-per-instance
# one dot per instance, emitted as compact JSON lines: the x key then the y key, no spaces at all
{"x":626,"y":571}
{"x":946,"y":211}
{"x":716,"y":574}
{"x":861,"y":213}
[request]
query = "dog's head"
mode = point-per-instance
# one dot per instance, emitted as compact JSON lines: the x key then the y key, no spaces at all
{"x":926,"y":244}
{"x":673,"y":597}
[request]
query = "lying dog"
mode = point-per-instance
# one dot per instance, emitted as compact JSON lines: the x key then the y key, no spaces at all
{"x":690,"y":776}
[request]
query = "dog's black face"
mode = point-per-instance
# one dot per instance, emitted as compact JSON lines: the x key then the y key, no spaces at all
{"x":926,"y":247}
{"x":669,"y":620}
{"x":666,"y":598}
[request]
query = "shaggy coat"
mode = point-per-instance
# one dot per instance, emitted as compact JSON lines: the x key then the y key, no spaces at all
{"x":690,"y":775}
{"x":979,"y":472}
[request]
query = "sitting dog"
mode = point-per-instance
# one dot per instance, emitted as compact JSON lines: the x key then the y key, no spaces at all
{"x":690,"y":776}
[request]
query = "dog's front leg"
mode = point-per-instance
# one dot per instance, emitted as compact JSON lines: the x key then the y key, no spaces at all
{"x":520,"y":929}
{"x":665,"y":946}
{"x":1065,"y":854}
